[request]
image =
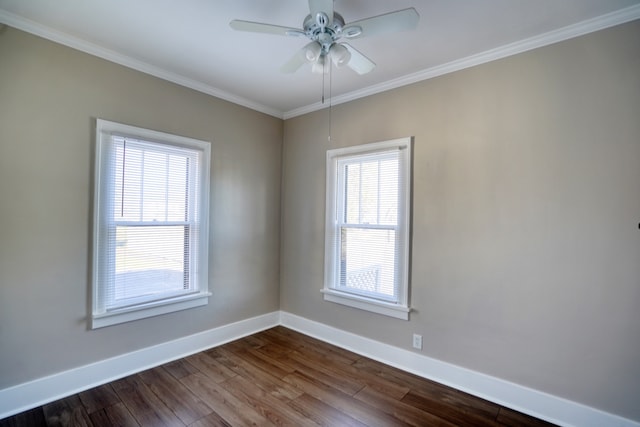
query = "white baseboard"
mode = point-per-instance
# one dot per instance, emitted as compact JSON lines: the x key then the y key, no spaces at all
{"x":22,"y":397}
{"x":535,"y":403}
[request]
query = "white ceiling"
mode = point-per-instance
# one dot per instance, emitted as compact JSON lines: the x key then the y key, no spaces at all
{"x":190,"y":41}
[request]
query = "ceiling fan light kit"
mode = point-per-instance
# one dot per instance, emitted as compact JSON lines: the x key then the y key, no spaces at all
{"x":325,"y":27}
{"x":312,"y":51}
{"x":319,"y":67}
{"x":340,"y":55}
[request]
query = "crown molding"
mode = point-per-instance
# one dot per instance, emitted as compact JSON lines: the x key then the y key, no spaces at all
{"x":127,"y":61}
{"x":575,"y":30}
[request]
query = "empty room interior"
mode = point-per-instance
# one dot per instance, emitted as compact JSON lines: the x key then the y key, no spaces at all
{"x":518,"y":279}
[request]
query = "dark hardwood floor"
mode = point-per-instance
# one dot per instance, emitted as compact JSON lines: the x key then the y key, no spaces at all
{"x":276,"y":377}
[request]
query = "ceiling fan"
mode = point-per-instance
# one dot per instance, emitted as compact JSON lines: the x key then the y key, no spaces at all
{"x":325,"y":27}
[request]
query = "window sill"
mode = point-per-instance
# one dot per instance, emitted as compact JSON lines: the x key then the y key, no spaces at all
{"x":114,"y":317}
{"x":380,"y":307}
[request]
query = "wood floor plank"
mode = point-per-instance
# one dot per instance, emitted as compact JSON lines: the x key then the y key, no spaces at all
{"x":31,"y":418}
{"x":511,"y":418}
{"x":425,"y":392}
{"x":211,"y":420}
{"x":393,"y":388}
{"x":263,"y":379}
{"x":146,"y":407}
{"x":187,"y":406}
{"x":210,"y":367}
{"x":317,"y":359}
{"x":272,"y":336}
{"x":225,"y":404}
{"x":361,"y":411}
{"x":273,"y":350}
{"x":325,"y":374}
{"x":265,"y":362}
{"x":400,"y":410}
{"x":389,"y":373}
{"x":246,"y":343}
{"x":450,"y":406}
{"x":66,"y":412}
{"x":100,"y":418}
{"x":275,"y":410}
{"x":320,"y":348}
{"x":114,"y":415}
{"x":321,"y":413}
{"x":180,"y":368}
{"x":276,"y":361}
{"x":98,"y":398}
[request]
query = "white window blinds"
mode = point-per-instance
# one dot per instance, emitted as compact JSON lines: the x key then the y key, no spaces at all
{"x":367,"y":225}
{"x":150,"y":200}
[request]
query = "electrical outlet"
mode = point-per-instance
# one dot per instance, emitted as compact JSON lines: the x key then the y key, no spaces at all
{"x":417,"y":341}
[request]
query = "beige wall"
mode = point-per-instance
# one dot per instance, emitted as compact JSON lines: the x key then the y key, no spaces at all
{"x":50,"y":96}
{"x":526,"y":248}
{"x":526,"y":203}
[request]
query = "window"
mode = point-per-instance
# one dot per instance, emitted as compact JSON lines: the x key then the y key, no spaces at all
{"x":367,"y":227}
{"x":150,"y":223}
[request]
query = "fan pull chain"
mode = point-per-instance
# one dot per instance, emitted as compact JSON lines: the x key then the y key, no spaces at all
{"x":322,"y":99}
{"x":330,"y":98}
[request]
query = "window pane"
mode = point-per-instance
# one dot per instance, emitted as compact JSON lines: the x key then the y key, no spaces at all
{"x":367,"y":260}
{"x":371,"y":191}
{"x":150,"y":185}
{"x":128,"y":184}
{"x":352,"y":193}
{"x":150,"y":261}
{"x":389,"y":186}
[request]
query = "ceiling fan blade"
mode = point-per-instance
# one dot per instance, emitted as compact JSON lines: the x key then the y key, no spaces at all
{"x":358,"y":62}
{"x":309,"y":53}
{"x":400,"y":20}
{"x":257,"y":27}
{"x":322,"y":6}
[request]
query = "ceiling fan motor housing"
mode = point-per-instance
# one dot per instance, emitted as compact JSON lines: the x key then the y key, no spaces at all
{"x":317,"y":28}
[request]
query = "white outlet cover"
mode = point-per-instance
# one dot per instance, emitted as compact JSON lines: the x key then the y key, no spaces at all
{"x":417,"y":341}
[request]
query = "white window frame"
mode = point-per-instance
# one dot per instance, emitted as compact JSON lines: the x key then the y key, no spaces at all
{"x":103,"y":221}
{"x":332,"y":291}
